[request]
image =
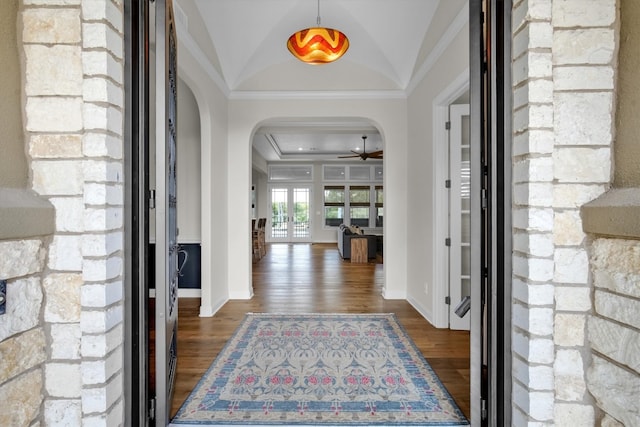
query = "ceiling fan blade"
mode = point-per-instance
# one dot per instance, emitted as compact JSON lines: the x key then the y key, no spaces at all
{"x":364,"y":155}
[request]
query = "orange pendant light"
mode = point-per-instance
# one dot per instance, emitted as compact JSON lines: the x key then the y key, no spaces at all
{"x":318,"y":45}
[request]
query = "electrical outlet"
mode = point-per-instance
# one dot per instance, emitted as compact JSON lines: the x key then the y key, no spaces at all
{"x":426,"y":288}
{"x":3,"y":296}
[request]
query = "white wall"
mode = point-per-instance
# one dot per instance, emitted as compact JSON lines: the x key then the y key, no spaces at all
{"x":388,"y":115}
{"x":188,"y":167}
{"x":421,"y":244}
{"x":212,"y":110}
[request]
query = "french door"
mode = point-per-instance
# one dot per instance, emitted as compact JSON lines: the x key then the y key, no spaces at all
{"x":166,"y":256}
{"x":459,"y":217}
{"x":290,"y":213}
{"x":149,"y":387}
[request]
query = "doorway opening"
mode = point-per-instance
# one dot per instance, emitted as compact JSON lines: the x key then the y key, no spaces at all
{"x":501,"y":185}
{"x":291,"y":207}
{"x":459,"y":242}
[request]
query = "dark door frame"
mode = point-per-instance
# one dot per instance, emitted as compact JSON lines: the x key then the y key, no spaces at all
{"x":136,"y":225}
{"x":491,"y":205}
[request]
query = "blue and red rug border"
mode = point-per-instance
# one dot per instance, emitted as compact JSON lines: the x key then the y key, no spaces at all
{"x":390,"y":317}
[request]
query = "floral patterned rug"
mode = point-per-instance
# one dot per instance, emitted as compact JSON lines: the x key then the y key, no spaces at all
{"x":320,"y":369}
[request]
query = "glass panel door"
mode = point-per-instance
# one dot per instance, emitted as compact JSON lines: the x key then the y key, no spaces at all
{"x":290,"y":214}
{"x":301,"y":213}
{"x":459,"y":215}
{"x":279,"y":214}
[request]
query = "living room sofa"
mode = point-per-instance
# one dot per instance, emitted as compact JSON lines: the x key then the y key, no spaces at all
{"x":344,"y":242}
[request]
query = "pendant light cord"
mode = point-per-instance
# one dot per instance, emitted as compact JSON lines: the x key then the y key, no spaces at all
{"x":318,"y":20}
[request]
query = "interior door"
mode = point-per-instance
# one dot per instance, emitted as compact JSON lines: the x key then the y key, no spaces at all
{"x":166,"y":256}
{"x":459,"y":217}
{"x":290,"y":214}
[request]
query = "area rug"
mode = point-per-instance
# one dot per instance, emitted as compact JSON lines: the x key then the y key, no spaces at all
{"x":319,"y":370}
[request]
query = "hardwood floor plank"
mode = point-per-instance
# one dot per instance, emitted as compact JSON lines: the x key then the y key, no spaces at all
{"x":305,"y":278}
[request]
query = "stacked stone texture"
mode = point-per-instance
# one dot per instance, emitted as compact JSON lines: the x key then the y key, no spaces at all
{"x":614,"y":329}
{"x":584,"y":60}
{"x":22,"y":332}
{"x":563,"y":78}
{"x":533,"y":265}
{"x":74,"y":101}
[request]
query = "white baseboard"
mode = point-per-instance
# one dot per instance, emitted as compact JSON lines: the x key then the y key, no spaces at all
{"x":386,"y":294}
{"x":210,"y":311}
{"x":241,"y":294}
{"x":420,"y":309}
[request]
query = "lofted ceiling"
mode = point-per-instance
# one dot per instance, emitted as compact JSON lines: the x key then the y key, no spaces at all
{"x":244,"y":42}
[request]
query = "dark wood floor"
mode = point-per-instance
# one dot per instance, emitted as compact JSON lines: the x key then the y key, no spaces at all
{"x":305,"y":278}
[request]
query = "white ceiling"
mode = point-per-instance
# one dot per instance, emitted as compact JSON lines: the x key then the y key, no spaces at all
{"x":317,"y":140}
{"x":246,"y":43}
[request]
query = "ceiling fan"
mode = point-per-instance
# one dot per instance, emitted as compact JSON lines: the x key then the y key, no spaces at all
{"x":364,"y":155}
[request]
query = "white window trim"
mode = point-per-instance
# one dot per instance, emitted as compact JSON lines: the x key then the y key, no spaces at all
{"x":347,"y":204}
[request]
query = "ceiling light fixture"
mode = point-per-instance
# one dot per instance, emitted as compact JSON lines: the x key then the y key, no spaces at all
{"x":318,"y":45}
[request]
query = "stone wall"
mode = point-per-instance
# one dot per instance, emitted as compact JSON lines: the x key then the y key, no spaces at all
{"x":72,"y":65}
{"x":23,"y":339}
{"x":564,"y":59}
{"x":611,"y":221}
{"x":614,"y":330}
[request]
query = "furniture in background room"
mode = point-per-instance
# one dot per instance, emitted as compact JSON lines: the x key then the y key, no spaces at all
{"x":258,"y":241}
{"x":379,"y":248}
{"x":359,"y":249}
{"x":345,"y":236}
{"x":262,"y":228}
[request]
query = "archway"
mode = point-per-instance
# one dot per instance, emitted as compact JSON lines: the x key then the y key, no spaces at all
{"x":387,"y":115}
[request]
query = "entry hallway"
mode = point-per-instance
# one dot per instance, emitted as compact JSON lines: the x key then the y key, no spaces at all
{"x":306,"y":278}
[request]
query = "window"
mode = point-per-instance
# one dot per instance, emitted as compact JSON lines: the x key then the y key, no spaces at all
{"x":352,"y":173}
{"x":333,"y":205}
{"x":290,"y":172}
{"x":360,"y":173}
{"x":379,"y":206}
{"x":363,"y":206}
{"x":359,"y":205}
{"x":333,"y":173}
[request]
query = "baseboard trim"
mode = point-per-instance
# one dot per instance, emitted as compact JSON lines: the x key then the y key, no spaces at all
{"x":241,"y":295}
{"x":423,"y":312}
{"x":210,"y":311}
{"x":386,"y":294}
